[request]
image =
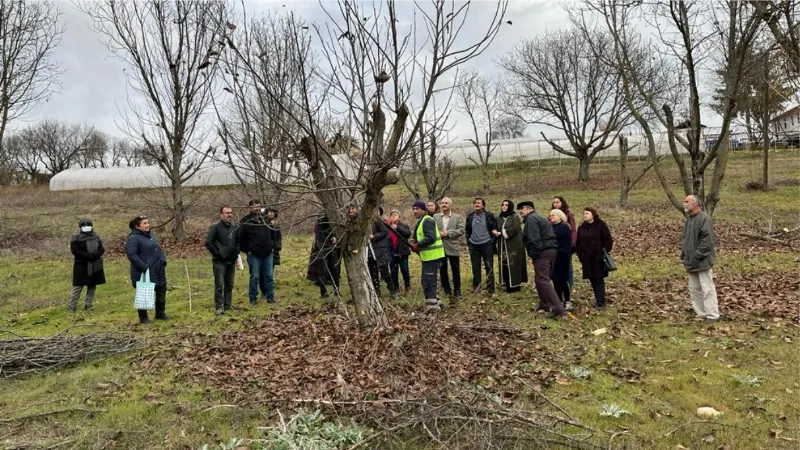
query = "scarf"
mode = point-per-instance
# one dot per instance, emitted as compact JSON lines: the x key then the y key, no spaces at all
{"x":510,"y":211}
{"x":92,"y":242}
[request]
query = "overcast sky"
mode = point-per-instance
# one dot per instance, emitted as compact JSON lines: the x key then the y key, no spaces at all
{"x":94,"y":88}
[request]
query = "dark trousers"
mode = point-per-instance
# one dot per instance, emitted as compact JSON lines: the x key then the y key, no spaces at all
{"x":543,"y":267}
{"x":455,"y":267}
{"x":331,"y":274}
{"x":223,"y":285}
{"x":383,"y":271}
{"x":483,"y":252}
{"x":562,"y":290}
{"x":429,"y":269}
{"x":400,"y":264}
{"x":599,"y":288}
{"x":161,"y":303}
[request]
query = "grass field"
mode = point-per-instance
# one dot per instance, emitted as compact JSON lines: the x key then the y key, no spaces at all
{"x":654,"y":361}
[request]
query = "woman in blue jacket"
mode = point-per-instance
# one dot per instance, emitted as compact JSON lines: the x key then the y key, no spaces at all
{"x":144,"y":253}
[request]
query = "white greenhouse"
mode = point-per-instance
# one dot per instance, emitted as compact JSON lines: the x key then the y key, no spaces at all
{"x":152,"y":177}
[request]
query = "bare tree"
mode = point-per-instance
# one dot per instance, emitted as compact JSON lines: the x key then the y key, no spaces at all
{"x":626,"y":182}
{"x":783,"y":20}
{"x":61,"y":145}
{"x":559,"y":81}
{"x":362,"y":75}
{"x":95,"y":150}
{"x":25,"y":156}
{"x":480,"y":98}
{"x":29,"y":35}
{"x":257,"y":134}
{"x":171,"y":49}
{"x":690,"y":31}
{"x":509,"y":127}
{"x":437,"y":171}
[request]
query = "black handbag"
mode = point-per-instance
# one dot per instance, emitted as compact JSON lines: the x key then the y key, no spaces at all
{"x":608,"y":262}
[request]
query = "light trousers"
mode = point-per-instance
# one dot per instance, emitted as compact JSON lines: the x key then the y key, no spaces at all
{"x":704,"y":294}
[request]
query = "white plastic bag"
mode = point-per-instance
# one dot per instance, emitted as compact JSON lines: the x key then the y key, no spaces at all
{"x":145,"y":293}
{"x":239,"y":263}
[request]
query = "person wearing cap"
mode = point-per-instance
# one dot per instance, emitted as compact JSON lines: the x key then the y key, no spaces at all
{"x":540,"y":242}
{"x":480,"y":225}
{"x":400,"y":250}
{"x":379,"y":255}
{"x":451,"y":227}
{"x":87,"y":269}
{"x":427,"y":242}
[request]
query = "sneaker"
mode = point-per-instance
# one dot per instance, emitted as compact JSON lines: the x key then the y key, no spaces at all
{"x":710,"y":321}
{"x":599,"y":307}
{"x":432,"y":309}
{"x":568,"y":306}
{"x":541,"y":307}
{"x":556,"y":314}
{"x":144,"y":321}
{"x":88,"y":308}
{"x":232,"y":307}
{"x":219,"y":312}
{"x":270,"y":300}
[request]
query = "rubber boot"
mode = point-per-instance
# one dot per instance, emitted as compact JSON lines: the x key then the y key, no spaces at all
{"x":160,"y":307}
{"x":143,"y":316}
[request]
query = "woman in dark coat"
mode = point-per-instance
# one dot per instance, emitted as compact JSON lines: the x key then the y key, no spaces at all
{"x":593,"y":237}
{"x":560,"y":203}
{"x":510,"y":249}
{"x":379,"y":255}
{"x":560,"y":274}
{"x":324,"y":265}
{"x":399,"y":236}
{"x":87,"y":269}
{"x":144,"y":253}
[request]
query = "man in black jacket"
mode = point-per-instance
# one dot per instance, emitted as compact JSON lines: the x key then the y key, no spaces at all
{"x":540,"y":242}
{"x":256,"y":237}
{"x":480,"y":224}
{"x":222,"y":242}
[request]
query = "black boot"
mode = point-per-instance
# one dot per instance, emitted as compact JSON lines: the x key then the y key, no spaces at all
{"x":160,"y":307}
{"x":143,"y":316}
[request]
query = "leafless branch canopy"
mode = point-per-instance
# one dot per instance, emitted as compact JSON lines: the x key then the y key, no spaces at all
{"x":29,"y":35}
{"x":560,"y":81}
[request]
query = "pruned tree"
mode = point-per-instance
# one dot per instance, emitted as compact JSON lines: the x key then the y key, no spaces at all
{"x":170,"y":48}
{"x":509,"y":127}
{"x":426,"y":161}
{"x":560,"y":82}
{"x":61,"y":145}
{"x":29,"y":73}
{"x":690,"y":32}
{"x":480,"y":99}
{"x":362,"y":74}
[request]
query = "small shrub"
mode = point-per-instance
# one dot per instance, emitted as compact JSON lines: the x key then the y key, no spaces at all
{"x":747,"y":380}
{"x":754,"y":186}
{"x":613,"y":410}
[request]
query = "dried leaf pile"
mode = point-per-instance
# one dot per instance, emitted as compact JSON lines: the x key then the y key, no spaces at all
{"x":762,"y":294}
{"x":26,"y":355}
{"x":304,"y":354}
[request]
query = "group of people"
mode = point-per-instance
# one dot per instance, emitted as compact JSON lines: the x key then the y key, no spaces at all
{"x":515,"y":237}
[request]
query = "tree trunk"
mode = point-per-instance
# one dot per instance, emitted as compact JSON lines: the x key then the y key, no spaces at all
{"x":368,"y":306}
{"x":486,"y":176}
{"x":625,"y":180}
{"x":720,"y":163}
{"x":765,"y":130}
{"x":583,"y":175}
{"x":178,"y":212}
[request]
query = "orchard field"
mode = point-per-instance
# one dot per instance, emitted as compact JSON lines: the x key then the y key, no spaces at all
{"x":257,"y":377}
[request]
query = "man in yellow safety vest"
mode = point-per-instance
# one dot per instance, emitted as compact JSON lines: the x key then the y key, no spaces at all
{"x":427,"y":242}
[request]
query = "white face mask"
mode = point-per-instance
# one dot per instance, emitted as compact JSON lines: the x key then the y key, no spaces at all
{"x":86,"y":228}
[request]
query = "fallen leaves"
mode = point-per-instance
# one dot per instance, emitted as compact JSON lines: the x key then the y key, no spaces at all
{"x":334,"y":360}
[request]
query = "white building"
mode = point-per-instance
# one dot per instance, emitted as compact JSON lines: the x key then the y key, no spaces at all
{"x":786,"y":125}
